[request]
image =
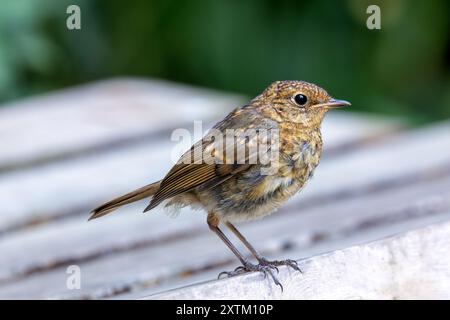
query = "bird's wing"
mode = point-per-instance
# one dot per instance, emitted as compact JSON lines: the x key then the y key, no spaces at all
{"x":193,"y":170}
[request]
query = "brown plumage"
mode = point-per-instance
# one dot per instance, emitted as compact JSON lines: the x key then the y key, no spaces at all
{"x":232,"y":179}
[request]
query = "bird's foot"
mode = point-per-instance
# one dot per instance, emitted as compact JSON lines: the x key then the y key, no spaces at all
{"x":276,"y":263}
{"x":266,"y":269}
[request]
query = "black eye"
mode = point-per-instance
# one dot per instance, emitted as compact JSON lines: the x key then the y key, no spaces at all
{"x":300,"y":99}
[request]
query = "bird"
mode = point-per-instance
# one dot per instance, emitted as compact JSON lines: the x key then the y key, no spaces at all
{"x":246,"y":166}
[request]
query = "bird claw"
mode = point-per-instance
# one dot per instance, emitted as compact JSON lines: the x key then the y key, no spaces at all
{"x":239,"y":270}
{"x":265,"y":269}
{"x":273,"y":264}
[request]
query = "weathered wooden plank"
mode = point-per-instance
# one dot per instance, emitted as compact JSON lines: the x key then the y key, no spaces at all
{"x":315,"y":238}
{"x":292,"y":235}
{"x":77,"y":234}
{"x":78,"y":185}
{"x":415,"y":265}
{"x":96,"y":115}
{"x":174,"y":283}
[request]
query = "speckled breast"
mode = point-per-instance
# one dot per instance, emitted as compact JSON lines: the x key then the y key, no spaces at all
{"x":252,"y":195}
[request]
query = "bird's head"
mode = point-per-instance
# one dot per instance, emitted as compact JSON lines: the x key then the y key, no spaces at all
{"x":298,"y":101}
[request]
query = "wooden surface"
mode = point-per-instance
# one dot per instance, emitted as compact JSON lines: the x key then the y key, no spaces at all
{"x":415,"y":265}
{"x":71,"y":150}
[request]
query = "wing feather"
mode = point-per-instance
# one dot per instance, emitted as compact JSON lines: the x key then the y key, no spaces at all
{"x":191,"y":173}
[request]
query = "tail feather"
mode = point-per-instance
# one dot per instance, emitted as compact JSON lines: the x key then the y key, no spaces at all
{"x":136,"y":195}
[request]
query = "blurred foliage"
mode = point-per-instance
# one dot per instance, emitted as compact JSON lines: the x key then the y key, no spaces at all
{"x":402,"y":69}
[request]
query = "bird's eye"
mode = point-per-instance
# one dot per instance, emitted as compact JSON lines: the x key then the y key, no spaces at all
{"x":300,"y":99}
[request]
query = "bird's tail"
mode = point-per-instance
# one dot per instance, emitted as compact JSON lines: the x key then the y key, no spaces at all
{"x":139,"y":194}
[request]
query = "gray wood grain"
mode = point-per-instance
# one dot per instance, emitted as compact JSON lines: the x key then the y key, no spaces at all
{"x":133,"y":230}
{"x":294,"y":235}
{"x":88,"y":117}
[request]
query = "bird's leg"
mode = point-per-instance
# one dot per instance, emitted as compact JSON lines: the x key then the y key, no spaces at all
{"x":246,"y":265}
{"x":222,"y":236}
{"x":262,"y":261}
{"x":241,"y":237}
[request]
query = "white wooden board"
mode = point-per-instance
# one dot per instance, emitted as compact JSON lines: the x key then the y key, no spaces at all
{"x":293,"y":234}
{"x":415,"y":265}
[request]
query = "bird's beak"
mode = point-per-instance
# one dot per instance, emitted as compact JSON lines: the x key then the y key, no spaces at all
{"x":333,"y":103}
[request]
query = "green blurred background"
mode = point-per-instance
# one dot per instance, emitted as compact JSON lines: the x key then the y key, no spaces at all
{"x":241,"y":46}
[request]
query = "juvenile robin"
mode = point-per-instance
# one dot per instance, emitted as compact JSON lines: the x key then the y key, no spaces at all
{"x":276,"y":145}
